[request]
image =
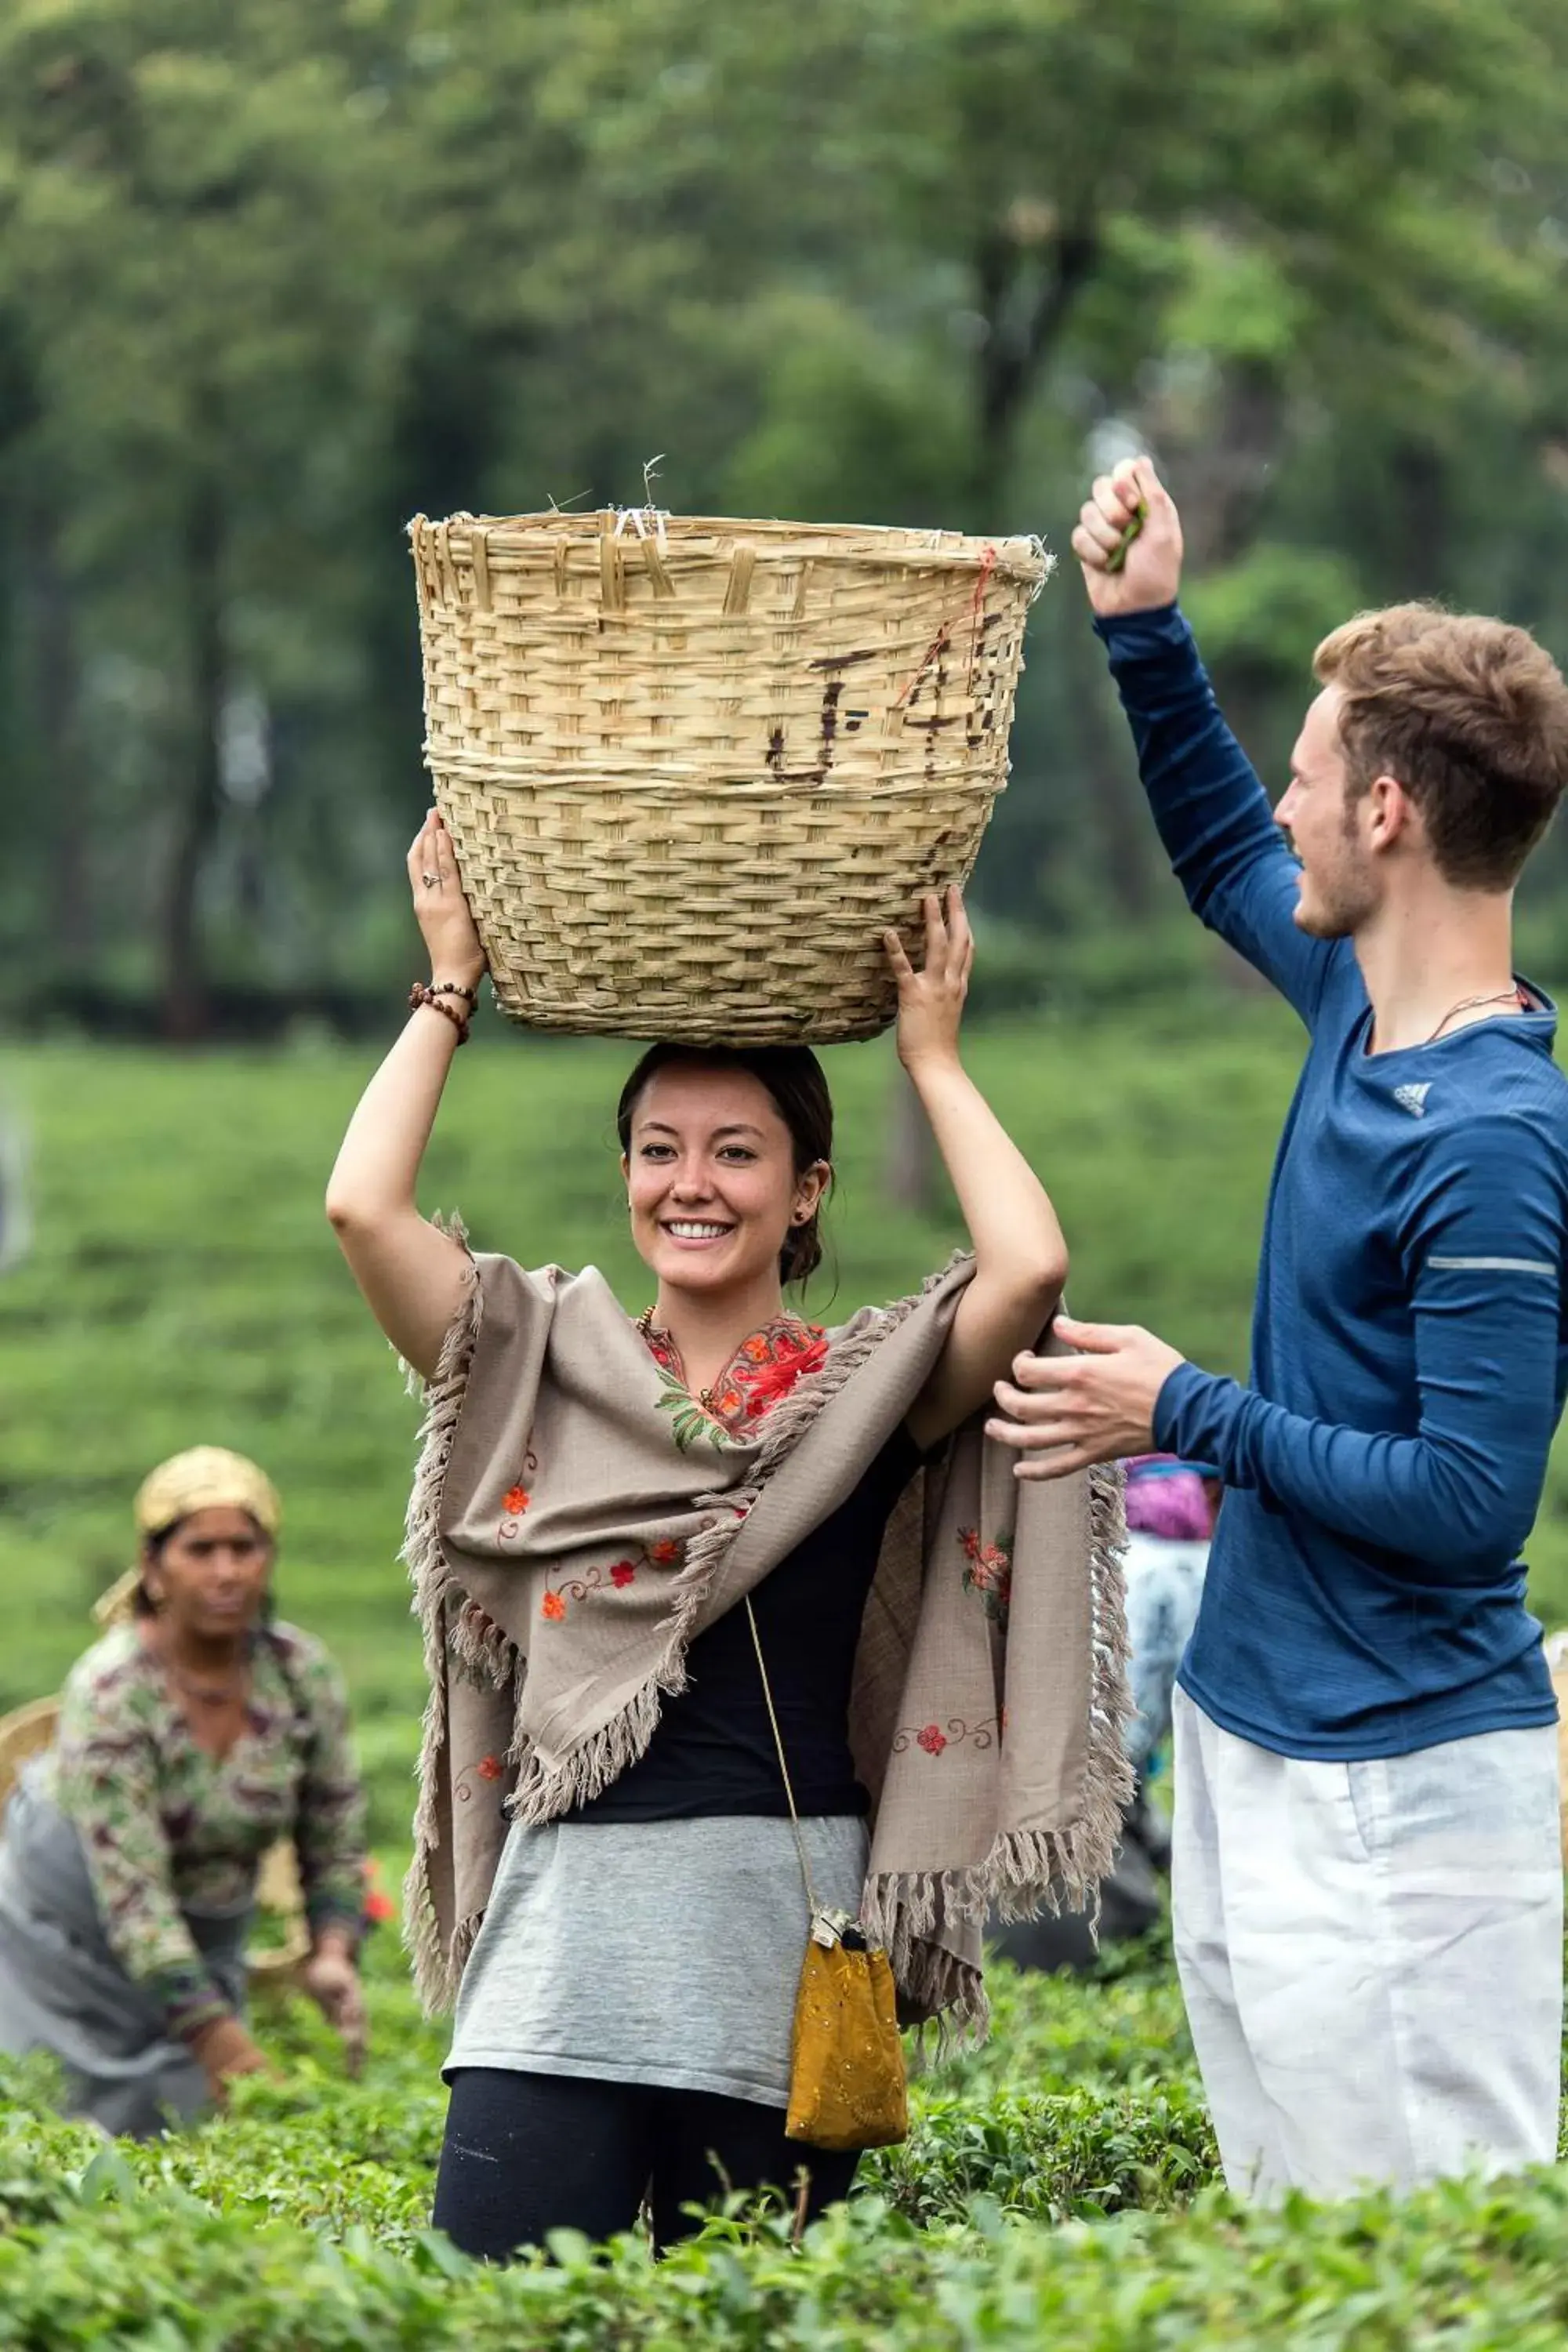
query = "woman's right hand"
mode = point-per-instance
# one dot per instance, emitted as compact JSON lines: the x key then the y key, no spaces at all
{"x":440,"y":907}
{"x":222,"y":2050}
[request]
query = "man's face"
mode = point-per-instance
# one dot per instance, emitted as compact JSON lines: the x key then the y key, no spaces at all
{"x":1340,"y":884}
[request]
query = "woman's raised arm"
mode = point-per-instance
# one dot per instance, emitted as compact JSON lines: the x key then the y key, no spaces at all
{"x":412,"y":1275}
{"x":1020,"y":1257}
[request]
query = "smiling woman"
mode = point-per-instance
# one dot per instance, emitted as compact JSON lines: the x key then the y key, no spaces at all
{"x":673,"y":1573}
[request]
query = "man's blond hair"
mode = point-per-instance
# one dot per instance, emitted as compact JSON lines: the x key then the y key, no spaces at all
{"x":1469,"y":715}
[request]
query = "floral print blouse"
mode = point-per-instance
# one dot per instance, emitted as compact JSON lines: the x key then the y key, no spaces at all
{"x":167,"y":1827}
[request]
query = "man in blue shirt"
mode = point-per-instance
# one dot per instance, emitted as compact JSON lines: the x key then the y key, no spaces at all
{"x":1367,"y":1877}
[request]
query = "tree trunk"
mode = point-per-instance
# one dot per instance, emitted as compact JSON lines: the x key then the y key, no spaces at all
{"x":1421,"y":490}
{"x":1012,"y":357}
{"x":1226,"y":468}
{"x":1016,"y":348}
{"x":186,"y":1014}
{"x":56,"y":708}
{"x":1119,"y":816}
{"x":909,"y":1157}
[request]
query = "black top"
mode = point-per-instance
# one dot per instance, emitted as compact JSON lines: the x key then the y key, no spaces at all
{"x":712,"y":1750}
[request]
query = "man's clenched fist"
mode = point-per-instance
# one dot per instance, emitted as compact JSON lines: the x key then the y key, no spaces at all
{"x":1149,"y":572}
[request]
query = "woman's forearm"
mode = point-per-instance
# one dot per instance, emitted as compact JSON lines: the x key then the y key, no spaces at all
{"x":1020,"y":1257}
{"x":377,"y":1167}
{"x":1012,"y":1224}
{"x":413,"y":1275}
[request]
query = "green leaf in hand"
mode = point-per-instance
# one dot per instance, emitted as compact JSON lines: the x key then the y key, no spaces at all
{"x":1118,"y":556}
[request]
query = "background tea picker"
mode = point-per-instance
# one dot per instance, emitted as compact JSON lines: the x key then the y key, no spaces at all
{"x":195,"y":1734}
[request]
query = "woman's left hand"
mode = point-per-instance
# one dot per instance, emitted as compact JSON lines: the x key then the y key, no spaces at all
{"x":931,"y":1001}
{"x":331,"y":1980}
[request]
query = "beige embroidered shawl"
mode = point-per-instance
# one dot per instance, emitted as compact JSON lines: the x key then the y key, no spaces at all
{"x":565,"y":1551}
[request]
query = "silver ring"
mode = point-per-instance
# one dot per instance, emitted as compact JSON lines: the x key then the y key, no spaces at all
{"x":431,"y":881}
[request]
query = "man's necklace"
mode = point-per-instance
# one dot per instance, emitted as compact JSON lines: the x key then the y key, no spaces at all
{"x":1473,"y":1004}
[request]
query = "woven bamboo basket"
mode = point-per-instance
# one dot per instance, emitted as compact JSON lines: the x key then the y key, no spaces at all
{"x":27,"y":1731}
{"x":693,"y":769}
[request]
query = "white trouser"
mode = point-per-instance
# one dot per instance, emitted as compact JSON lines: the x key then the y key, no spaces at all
{"x":1371,"y":1955}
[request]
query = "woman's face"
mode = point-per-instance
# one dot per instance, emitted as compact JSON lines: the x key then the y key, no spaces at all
{"x":711,"y":1180}
{"x":208,"y":1577}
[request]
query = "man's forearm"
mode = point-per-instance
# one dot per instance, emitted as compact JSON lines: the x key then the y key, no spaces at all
{"x":1213,"y":814}
{"x":1455,"y":1503}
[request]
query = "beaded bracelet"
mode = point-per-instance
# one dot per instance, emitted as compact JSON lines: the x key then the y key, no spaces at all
{"x":423,"y":993}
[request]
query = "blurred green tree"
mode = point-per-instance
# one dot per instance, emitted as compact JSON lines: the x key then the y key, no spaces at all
{"x":274,"y":276}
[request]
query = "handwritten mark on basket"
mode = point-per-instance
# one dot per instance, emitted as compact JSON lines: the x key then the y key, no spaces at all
{"x":833,"y":667}
{"x":929,"y":661}
{"x":935,"y":655}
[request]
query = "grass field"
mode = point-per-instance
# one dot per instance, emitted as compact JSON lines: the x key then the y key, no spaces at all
{"x":184,"y":1286}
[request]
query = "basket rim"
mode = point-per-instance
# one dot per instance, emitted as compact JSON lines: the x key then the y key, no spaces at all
{"x":1018,"y":554}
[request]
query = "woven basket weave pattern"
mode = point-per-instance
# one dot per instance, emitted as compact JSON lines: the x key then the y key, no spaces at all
{"x":693,"y":769}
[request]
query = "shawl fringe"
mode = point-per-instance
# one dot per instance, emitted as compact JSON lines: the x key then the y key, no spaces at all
{"x":437,"y":1968}
{"x":902,"y":1910}
{"x":1109,"y":1783}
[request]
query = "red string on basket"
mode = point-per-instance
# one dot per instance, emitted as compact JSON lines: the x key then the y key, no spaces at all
{"x":977,"y":610}
{"x":944,"y":638}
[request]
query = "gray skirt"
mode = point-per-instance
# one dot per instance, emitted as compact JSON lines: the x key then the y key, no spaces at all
{"x":661,"y":1952}
{"x":63,"y":1991}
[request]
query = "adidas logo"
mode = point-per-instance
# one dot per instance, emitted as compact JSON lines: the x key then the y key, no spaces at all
{"x":1414,"y":1098}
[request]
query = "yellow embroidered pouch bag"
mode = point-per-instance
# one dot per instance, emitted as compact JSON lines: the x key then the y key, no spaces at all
{"x":848,"y":2088}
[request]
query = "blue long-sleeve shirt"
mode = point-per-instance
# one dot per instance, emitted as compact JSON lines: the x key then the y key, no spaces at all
{"x":1364,"y":1595}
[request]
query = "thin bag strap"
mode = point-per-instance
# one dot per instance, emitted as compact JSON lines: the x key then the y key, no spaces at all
{"x":784,"y":1768}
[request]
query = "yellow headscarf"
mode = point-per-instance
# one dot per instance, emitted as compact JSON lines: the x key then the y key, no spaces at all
{"x":208,"y":1478}
{"x":204,"y":1478}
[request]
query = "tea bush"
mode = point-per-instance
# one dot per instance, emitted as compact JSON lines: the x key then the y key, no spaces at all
{"x":1058,"y":2186}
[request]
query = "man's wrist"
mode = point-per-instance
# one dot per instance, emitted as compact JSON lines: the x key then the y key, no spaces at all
{"x":1176,"y":1393}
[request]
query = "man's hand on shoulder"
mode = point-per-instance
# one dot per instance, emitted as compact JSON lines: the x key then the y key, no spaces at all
{"x":1066,"y":1411}
{"x":1149,"y":572}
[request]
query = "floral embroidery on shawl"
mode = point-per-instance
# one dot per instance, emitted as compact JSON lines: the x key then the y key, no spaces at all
{"x":616,"y":1576}
{"x":988,"y":1572}
{"x":763,"y":1370}
{"x":935,"y":1738}
{"x":517,"y":1499}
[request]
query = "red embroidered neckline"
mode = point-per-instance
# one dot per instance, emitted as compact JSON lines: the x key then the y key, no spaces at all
{"x":763,"y":1370}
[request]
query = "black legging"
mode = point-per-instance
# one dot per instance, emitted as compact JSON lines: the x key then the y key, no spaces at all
{"x":525,"y":2154}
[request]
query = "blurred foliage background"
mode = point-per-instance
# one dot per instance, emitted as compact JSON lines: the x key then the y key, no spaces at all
{"x":275,"y":276}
